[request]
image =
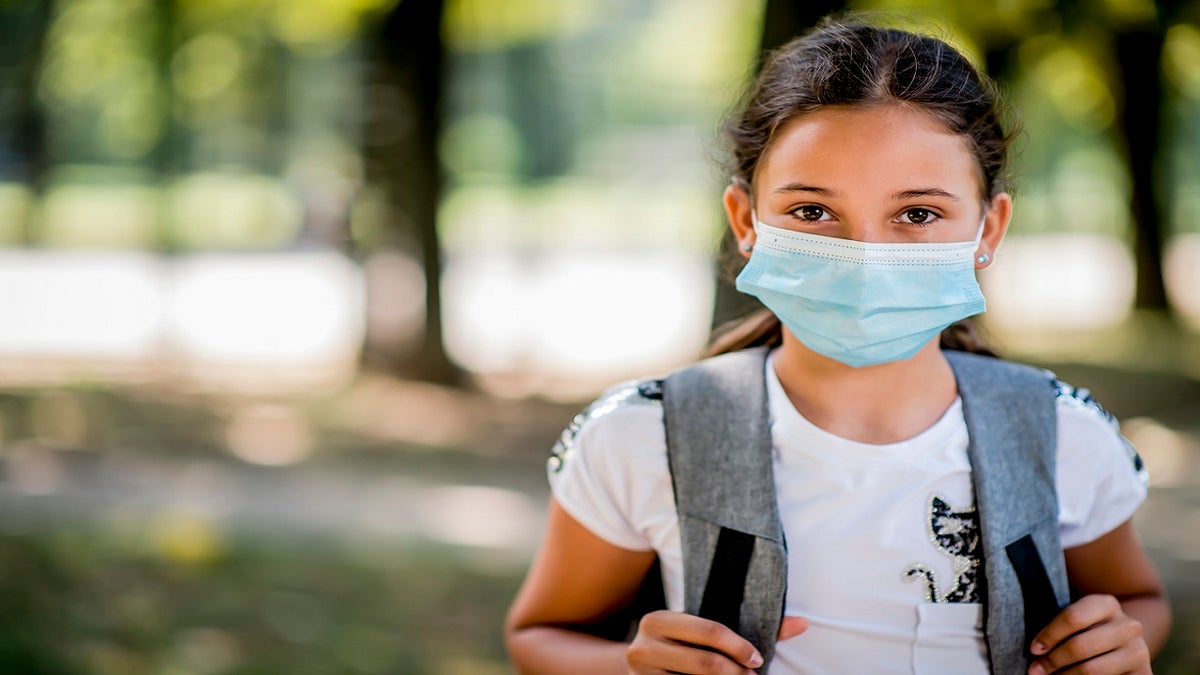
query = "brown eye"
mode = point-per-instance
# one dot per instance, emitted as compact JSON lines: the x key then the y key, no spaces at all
{"x":810,"y":212}
{"x":918,"y":216}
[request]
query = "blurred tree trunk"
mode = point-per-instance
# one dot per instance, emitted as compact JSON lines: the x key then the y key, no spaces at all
{"x":165,"y":157}
{"x":402,"y":153}
{"x":1138,"y":50}
{"x":23,"y":149}
{"x":1139,"y":58}
{"x":782,"y":21}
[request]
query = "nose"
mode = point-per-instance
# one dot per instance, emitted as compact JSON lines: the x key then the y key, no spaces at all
{"x":865,"y":230}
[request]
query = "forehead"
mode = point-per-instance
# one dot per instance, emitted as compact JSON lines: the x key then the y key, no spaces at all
{"x":891,"y":146}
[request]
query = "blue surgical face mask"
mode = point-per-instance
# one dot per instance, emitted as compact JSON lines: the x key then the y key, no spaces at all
{"x":859,"y":303}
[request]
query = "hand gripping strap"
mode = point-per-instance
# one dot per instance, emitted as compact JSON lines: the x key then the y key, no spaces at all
{"x":719,"y":450}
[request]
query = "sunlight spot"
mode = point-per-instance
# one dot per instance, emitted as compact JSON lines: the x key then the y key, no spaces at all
{"x":79,"y":304}
{"x":269,"y":434}
{"x":266,"y":309}
{"x":601,"y":313}
{"x":1068,"y":280}
{"x":1181,"y":53}
{"x":1072,"y":79}
{"x":1181,"y":264}
{"x":100,"y":215}
{"x":409,"y":411}
{"x":581,"y":317}
{"x":186,"y":538}
{"x":1165,"y":451}
{"x":206,"y":65}
{"x":395,"y":301}
{"x":470,"y":515}
{"x":16,"y":205}
{"x":233,"y":209}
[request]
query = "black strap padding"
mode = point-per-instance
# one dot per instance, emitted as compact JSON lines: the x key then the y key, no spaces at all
{"x":726,"y":584}
{"x":1041,"y":606}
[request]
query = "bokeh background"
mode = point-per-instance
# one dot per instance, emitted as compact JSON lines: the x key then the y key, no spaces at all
{"x":295,"y":295}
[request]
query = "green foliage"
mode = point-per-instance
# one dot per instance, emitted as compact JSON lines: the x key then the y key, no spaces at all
{"x":73,"y":601}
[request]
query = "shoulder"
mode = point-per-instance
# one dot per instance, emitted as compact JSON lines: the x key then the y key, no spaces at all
{"x":1078,"y":399}
{"x":609,"y":467}
{"x":1087,"y":429}
{"x":1084,"y":427}
{"x":1100,"y":478}
{"x":628,"y":410}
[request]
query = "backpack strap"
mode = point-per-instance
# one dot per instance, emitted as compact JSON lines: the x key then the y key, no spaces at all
{"x":1011,"y":417}
{"x":720,"y":455}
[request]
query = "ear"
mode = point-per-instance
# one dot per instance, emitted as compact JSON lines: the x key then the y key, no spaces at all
{"x":995,"y":224}
{"x":741,"y":219}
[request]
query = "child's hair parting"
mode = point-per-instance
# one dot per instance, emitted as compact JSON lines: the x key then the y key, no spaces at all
{"x":856,"y":64}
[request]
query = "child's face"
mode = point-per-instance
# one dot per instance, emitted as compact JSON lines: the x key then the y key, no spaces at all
{"x":887,"y":174}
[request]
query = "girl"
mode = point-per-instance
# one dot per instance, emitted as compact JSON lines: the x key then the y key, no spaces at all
{"x":867,"y":188}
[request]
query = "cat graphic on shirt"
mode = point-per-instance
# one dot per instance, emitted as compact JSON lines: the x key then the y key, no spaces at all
{"x":956,"y":535}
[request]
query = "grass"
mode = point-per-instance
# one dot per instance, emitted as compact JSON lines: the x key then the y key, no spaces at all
{"x":77,"y":600}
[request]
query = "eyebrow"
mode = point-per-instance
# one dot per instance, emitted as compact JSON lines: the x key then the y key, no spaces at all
{"x":799,"y":187}
{"x":903,"y":194}
{"x":927,"y":192}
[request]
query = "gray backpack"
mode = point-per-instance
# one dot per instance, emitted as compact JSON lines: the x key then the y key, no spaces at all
{"x":734,"y":553}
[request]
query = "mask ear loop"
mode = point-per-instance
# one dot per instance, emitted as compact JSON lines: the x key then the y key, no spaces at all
{"x":749,"y":246}
{"x":982,"y":258}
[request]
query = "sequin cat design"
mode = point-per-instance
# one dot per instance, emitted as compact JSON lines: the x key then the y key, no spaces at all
{"x":956,"y":534}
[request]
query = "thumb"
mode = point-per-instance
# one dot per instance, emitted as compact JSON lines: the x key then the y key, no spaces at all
{"x":791,"y":626}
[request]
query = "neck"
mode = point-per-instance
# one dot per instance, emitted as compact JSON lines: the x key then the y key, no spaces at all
{"x":879,"y":404}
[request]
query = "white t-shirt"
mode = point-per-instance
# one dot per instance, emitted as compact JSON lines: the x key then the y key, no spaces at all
{"x":881,"y":537}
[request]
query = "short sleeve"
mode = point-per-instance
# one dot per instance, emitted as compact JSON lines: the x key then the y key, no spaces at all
{"x":1100,"y":477}
{"x":609,"y":469}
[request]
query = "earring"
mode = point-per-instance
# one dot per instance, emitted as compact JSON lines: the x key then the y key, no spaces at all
{"x":747,"y":247}
{"x":983,"y":258}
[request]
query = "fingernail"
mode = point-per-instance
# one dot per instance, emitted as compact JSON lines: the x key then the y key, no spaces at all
{"x":1037,"y":648}
{"x":1037,"y":669}
{"x":755,"y":660}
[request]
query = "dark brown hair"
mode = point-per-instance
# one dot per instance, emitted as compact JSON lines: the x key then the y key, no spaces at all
{"x":856,"y":64}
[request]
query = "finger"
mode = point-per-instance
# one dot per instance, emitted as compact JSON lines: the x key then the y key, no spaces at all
{"x":1100,"y":639}
{"x":674,"y":657}
{"x":1078,"y":616}
{"x":694,"y":630}
{"x":1121,"y":634}
{"x":791,"y":626}
{"x":1128,"y":659}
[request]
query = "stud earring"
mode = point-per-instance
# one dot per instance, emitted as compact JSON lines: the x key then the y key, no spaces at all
{"x":983,"y":258}
{"x":747,"y":247}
